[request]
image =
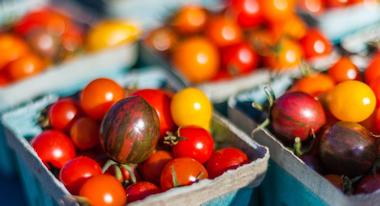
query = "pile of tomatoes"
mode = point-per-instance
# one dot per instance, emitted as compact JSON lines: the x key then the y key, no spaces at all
{"x":246,"y":35}
{"x":110,"y":145}
{"x":317,"y":7}
{"x":332,"y":119}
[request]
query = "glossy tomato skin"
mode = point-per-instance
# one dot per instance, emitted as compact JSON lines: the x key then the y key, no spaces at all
{"x":103,"y":190}
{"x":216,"y":31}
{"x":373,"y":72}
{"x":288,"y":55}
{"x":368,"y":184}
{"x":246,"y":12}
{"x":11,"y":48}
{"x":239,"y":59}
{"x":375,"y":86}
{"x":277,"y":10}
{"x":85,"y":133}
{"x":314,"y":84}
{"x":152,"y":167}
{"x":162,"y":39}
{"x":316,"y":7}
{"x":293,"y":27}
{"x":344,"y":69}
{"x":98,"y":97}
{"x":140,"y":190}
{"x":315,"y":44}
{"x":225,"y":159}
{"x":190,"y":19}
{"x":77,"y":171}
{"x":62,"y":113}
{"x":53,"y":147}
{"x":25,"y":66}
{"x":181,"y":172}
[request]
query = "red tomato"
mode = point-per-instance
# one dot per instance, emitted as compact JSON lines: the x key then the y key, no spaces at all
{"x":85,"y":133}
{"x":160,"y":101}
{"x":140,"y":190}
{"x":239,"y":59}
{"x":62,"y":113}
{"x":246,"y":12}
{"x":24,"y":67}
{"x":225,"y":159}
{"x":344,"y":69}
{"x":76,"y":171}
{"x":4,"y":80}
{"x":53,"y":147}
{"x":223,"y":31}
{"x":152,"y":167}
{"x":377,"y":120}
{"x":312,"y":6}
{"x":103,"y":190}
{"x":315,"y":44}
{"x":373,"y":72}
{"x":99,"y":96}
{"x":181,"y":172}
{"x":336,"y":3}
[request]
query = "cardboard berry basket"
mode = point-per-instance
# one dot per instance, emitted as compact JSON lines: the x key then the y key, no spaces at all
{"x":289,"y":181}
{"x":235,"y":187}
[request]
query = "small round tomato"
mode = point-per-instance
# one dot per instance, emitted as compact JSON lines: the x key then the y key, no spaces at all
{"x":85,"y":133}
{"x":293,"y":27}
{"x":194,"y":142}
{"x":375,"y":86}
{"x":53,"y":147}
{"x":76,"y":171}
{"x":277,"y":10}
{"x":225,"y":159}
{"x":336,"y":3}
{"x":286,"y":55}
{"x":314,"y":84}
{"x":160,"y":101}
{"x":336,"y":180}
{"x":315,"y":44}
{"x":377,"y":120}
{"x":351,"y":101}
{"x":246,"y":12}
{"x":191,"y":106}
{"x":24,"y":67}
{"x":197,"y":59}
{"x":4,"y":80}
{"x":223,"y":31}
{"x":151,"y":168}
{"x":141,"y":190}
{"x":239,"y":59}
{"x":344,"y":70}
{"x":373,"y":72}
{"x":98,"y":97}
{"x":62,"y":113}
{"x":312,"y":6}
{"x":103,"y":190}
{"x":162,"y":39}
{"x":181,"y":172}
{"x":189,"y":19}
{"x":11,"y":48}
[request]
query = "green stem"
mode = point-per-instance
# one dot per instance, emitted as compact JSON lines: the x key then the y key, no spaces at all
{"x":131,"y":173}
{"x":107,"y":165}
{"x":260,"y":126}
{"x":297,"y":147}
{"x":82,"y":200}
{"x":118,"y":174}
{"x":174,"y":178}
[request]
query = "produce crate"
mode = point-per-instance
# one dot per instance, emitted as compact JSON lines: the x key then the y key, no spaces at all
{"x":235,"y":187}
{"x":289,"y":181}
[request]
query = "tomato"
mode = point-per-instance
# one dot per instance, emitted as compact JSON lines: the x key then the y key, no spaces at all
{"x":286,"y":55}
{"x":262,"y":40}
{"x":11,"y":48}
{"x":24,"y":67}
{"x":315,"y":44}
{"x":4,"y":80}
{"x":312,"y":6}
{"x":352,"y":101}
{"x":197,"y":59}
{"x":53,"y":148}
{"x":76,"y":171}
{"x":181,"y":172}
{"x":344,"y":70}
{"x":293,"y":27}
{"x":152,"y":167}
{"x":373,"y":72}
{"x":225,"y":159}
{"x":140,"y":190}
{"x":111,"y":33}
{"x":277,"y":10}
{"x":377,"y":120}
{"x":375,"y":86}
{"x":85,"y":133}
{"x":103,"y":190}
{"x":336,"y":3}
{"x":191,"y":106}
{"x":246,"y":12}
{"x":239,"y":59}
{"x":162,"y":39}
{"x":335,"y":180}
{"x":160,"y":101}
{"x":223,"y":31}
{"x":189,"y":19}
{"x":62,"y":113}
{"x":126,"y":173}
{"x":314,"y":84}
{"x":98,"y":97}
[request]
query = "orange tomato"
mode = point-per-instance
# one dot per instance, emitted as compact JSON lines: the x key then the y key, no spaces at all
{"x":197,"y":59}
{"x":373,"y":71}
{"x":190,"y":19}
{"x":312,"y":6}
{"x":344,"y":70}
{"x":286,"y":55}
{"x":162,"y":39}
{"x":26,"y":66}
{"x":314,"y":84}
{"x":85,"y":133}
{"x":277,"y":10}
{"x":11,"y":48}
{"x":293,"y":27}
{"x":223,"y":31}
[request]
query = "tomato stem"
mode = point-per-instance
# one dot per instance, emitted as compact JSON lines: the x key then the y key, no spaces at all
{"x":82,"y":200}
{"x":131,"y":173}
{"x":118,"y":174}
{"x":260,"y":126}
{"x":107,"y":165}
{"x":171,"y":139}
{"x":297,"y":147}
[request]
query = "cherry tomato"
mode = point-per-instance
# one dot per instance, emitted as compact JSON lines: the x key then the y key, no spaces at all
{"x":344,"y":70}
{"x":225,"y":159}
{"x":286,"y":55}
{"x":191,"y":106}
{"x":314,"y":84}
{"x":46,"y":44}
{"x":162,"y":39}
{"x":262,"y":40}
{"x":336,"y":3}
{"x":189,"y":19}
{"x":377,"y":120}
{"x":4,"y":80}
{"x":127,"y":173}
{"x":239,"y":59}
{"x":373,"y":72}
{"x":223,"y":31}
{"x":160,"y":101}
{"x":53,"y":147}
{"x":181,"y":172}
{"x":140,"y":190}
{"x":293,"y":27}
{"x":277,"y":10}
{"x":315,"y":44}
{"x":368,"y":184}
{"x":98,"y":97}
{"x":24,"y":67}
{"x":246,"y":12}
{"x":351,"y":101}
{"x":375,"y":86}
{"x":11,"y":48}
{"x":62,"y":113}
{"x":76,"y":171}
{"x":103,"y":190}
{"x":197,"y":59}
{"x":152,"y":167}
{"x":316,"y":7}
{"x":85,"y":133}
{"x":336,"y":180}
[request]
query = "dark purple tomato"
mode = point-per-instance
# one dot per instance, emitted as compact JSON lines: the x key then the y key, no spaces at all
{"x":312,"y":161}
{"x":368,"y":184}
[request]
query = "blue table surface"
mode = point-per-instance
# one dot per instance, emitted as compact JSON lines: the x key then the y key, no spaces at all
{"x":11,"y":192}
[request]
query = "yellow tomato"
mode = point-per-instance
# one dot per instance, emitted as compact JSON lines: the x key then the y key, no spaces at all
{"x":191,"y":106}
{"x":352,"y":101}
{"x":111,"y":33}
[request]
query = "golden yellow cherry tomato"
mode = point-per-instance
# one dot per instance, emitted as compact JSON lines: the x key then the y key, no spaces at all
{"x":191,"y":106}
{"x":352,"y":101}
{"x":111,"y":33}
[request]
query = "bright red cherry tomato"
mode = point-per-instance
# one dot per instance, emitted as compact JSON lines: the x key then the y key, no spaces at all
{"x":239,"y":59}
{"x":62,"y":113}
{"x":140,"y":190}
{"x":53,"y":147}
{"x":336,"y":3}
{"x":223,"y":31}
{"x":76,"y":171}
{"x":160,"y":101}
{"x":99,"y":95}
{"x":373,"y":72}
{"x":151,"y":168}
{"x":246,"y":12}
{"x":225,"y":159}
{"x":312,"y":6}
{"x":344,"y":69}
{"x":182,"y":171}
{"x":315,"y":44}
{"x":85,"y":133}
{"x":4,"y":80}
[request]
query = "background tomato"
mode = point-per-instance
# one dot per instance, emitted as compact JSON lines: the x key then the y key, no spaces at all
{"x":277,"y":10}
{"x":223,"y":31}
{"x":373,"y":72}
{"x":140,"y":190}
{"x":62,"y":113}
{"x":162,"y":39}
{"x":24,"y":67}
{"x":246,"y":12}
{"x":239,"y":59}
{"x":152,"y":167}
{"x":189,"y":19}
{"x":293,"y":27}
{"x":4,"y":80}
{"x":312,"y":6}
{"x":11,"y":48}
{"x":314,"y":84}
{"x":85,"y":133}
{"x":287,"y":54}
{"x":344,"y":69}
{"x":225,"y":159}
{"x":315,"y":44}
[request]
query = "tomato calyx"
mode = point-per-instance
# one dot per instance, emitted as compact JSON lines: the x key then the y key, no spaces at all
{"x":43,"y":119}
{"x":172,"y":139}
{"x":82,"y":201}
{"x":271,"y":99}
{"x":117,"y":168}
